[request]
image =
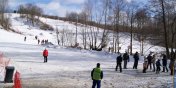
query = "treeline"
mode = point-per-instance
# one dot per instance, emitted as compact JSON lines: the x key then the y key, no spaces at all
{"x":153,"y":22}
{"x":32,"y":13}
{"x":4,"y":19}
{"x":142,"y":22}
{"x":91,"y":23}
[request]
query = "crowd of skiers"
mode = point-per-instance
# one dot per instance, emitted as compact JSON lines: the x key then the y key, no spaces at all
{"x":43,"y":41}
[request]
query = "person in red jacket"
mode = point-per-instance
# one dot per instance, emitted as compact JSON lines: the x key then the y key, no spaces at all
{"x":45,"y":55}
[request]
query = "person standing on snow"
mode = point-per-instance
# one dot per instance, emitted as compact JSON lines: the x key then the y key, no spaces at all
{"x":42,"y":42}
{"x":97,"y":76}
{"x":164,"y":63}
{"x":36,"y":37}
{"x":154,"y":61}
{"x":119,"y":63}
{"x":45,"y":55}
{"x":38,"y":41}
{"x":25,"y":38}
{"x":158,"y":64}
{"x":126,"y":59}
{"x":145,"y":66}
{"x":136,"y":59}
{"x":149,"y":58}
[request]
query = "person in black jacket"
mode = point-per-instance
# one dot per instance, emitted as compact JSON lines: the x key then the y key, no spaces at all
{"x":158,"y":66}
{"x":153,"y":62}
{"x":126,"y":59}
{"x":149,"y":58}
{"x":119,"y":63}
{"x":25,"y":38}
{"x":164,"y":60}
{"x":136,"y":58}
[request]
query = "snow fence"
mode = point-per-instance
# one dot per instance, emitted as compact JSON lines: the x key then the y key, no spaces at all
{"x":4,"y":62}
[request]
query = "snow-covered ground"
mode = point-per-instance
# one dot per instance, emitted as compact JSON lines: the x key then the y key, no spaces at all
{"x":71,"y":68}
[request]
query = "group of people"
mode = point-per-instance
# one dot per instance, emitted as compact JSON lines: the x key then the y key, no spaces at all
{"x":38,"y":40}
{"x":149,"y":61}
{"x":126,"y":59}
{"x":44,"y":41}
{"x":154,"y":61}
{"x":119,"y":61}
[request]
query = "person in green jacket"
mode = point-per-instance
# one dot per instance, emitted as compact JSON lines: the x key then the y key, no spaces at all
{"x":97,"y":76}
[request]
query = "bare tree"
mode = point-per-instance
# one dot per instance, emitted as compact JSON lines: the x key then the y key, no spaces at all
{"x":165,"y":9}
{"x":106,"y":13}
{"x":131,"y":11}
{"x":118,"y":9}
{"x":88,"y":9}
{"x":83,"y":15}
{"x":4,"y":20}
{"x":57,"y":36}
{"x":71,"y":15}
{"x":142,"y":19}
{"x":30,"y":11}
{"x":95,"y":31}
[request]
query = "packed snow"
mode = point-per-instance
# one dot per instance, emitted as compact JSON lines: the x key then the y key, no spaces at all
{"x":69,"y":67}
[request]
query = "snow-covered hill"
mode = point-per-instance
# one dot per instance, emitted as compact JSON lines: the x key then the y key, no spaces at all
{"x":68,"y":67}
{"x":29,"y":31}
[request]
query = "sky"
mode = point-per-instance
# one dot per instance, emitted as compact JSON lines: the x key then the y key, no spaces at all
{"x":53,"y":7}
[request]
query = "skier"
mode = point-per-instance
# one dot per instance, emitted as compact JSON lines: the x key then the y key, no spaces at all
{"x":38,"y":41}
{"x":45,"y":55}
{"x":145,"y":66}
{"x":47,"y":41}
{"x":164,"y":60}
{"x":136,"y":58}
{"x":119,"y":61}
{"x":126,"y":59}
{"x":42,"y":42}
{"x":97,"y":76}
{"x":36,"y":37}
{"x":25,"y":38}
{"x":149,"y":58}
{"x":158,"y":66}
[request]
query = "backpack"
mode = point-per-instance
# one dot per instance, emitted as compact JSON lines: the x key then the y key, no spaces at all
{"x":157,"y":63}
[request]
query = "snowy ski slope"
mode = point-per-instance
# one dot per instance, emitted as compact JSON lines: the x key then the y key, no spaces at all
{"x":70,"y":68}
